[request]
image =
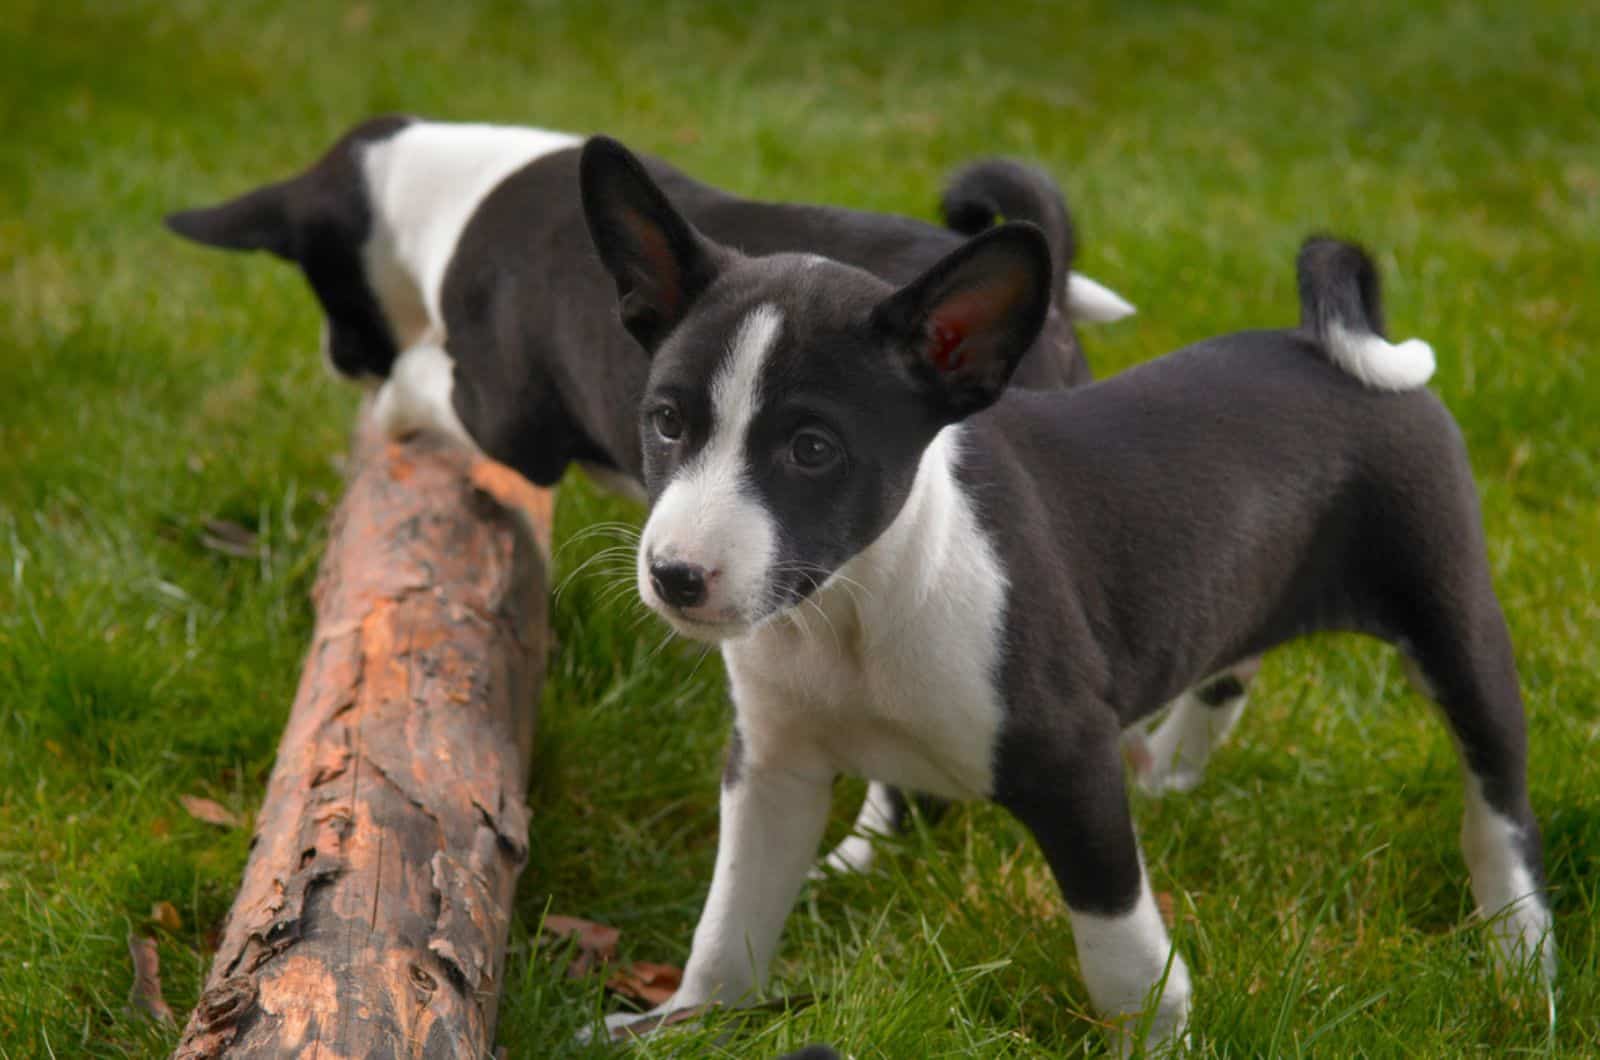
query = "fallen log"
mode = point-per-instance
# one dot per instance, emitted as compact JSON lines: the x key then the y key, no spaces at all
{"x":373,"y":913}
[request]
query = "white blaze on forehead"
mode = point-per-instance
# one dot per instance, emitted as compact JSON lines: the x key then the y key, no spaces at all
{"x":736,"y":394}
{"x":708,"y":515}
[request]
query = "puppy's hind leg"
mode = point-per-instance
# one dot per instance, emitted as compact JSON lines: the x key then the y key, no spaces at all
{"x":1470,"y":673}
{"x":1461,"y":657}
{"x":1173,"y":756}
{"x":882,"y":814}
{"x":886,"y":811}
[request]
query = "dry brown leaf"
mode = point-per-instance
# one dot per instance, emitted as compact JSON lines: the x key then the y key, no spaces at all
{"x":210,"y":811}
{"x":1165,"y":904}
{"x":646,"y":981}
{"x":146,"y":993}
{"x":166,"y":915}
{"x":597,"y":943}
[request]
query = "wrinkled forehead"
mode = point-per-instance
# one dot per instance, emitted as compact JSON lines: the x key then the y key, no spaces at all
{"x":779,"y":325}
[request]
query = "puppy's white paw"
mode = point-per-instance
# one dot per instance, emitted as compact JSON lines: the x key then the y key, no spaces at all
{"x":1125,"y":1045}
{"x":1155,"y":773}
{"x":636,"y":1024}
{"x":1179,"y":778}
{"x":853,"y":856}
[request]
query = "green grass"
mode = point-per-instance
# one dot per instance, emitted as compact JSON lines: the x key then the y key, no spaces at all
{"x":146,"y":386}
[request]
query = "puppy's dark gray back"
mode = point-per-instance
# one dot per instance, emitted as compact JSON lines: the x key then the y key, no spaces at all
{"x":1211,"y":482}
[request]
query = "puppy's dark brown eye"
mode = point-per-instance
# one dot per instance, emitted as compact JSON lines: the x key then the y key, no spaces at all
{"x":812,"y":450}
{"x":668,"y":423}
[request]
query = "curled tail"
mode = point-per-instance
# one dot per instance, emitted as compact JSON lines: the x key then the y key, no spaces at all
{"x":1340,"y":305}
{"x":989,"y":191}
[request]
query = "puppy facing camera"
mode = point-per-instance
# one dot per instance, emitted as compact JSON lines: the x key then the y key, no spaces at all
{"x":922,"y":575}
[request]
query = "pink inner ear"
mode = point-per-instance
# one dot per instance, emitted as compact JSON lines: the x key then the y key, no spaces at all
{"x":959,"y":316}
{"x":661,"y":263}
{"x":944,"y":344}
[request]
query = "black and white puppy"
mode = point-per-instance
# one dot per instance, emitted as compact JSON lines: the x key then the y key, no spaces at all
{"x":455,"y":272}
{"x":919,"y":576}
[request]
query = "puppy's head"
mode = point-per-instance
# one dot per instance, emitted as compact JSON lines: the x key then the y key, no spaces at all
{"x":790,"y":397}
{"x":320,"y":220}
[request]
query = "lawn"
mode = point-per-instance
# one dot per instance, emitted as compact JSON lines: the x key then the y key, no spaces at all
{"x":148,"y":387}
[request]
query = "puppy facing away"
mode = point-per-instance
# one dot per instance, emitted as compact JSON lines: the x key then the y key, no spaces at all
{"x":455,"y":274}
{"x":922,"y":577}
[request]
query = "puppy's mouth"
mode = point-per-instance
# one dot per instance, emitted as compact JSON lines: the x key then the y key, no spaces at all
{"x":712,"y":631}
{"x":711,"y":624}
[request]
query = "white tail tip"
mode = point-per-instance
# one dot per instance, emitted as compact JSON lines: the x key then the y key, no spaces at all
{"x":1378,"y":363}
{"x":1093,"y":302}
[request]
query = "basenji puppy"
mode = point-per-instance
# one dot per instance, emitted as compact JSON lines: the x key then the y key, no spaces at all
{"x":922,"y":576}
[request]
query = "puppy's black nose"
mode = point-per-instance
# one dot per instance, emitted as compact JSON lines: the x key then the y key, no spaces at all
{"x":679,"y":584}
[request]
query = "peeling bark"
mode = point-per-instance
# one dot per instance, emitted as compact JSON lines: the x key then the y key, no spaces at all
{"x":372,"y":917}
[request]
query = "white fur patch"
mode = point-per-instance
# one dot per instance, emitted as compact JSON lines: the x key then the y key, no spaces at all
{"x":1379,"y":363}
{"x":707,"y":515}
{"x":416,"y":396}
{"x":890,"y":667}
{"x":424,"y":184}
{"x":1123,"y":959}
{"x":1503,"y":886}
{"x":1095,"y":303}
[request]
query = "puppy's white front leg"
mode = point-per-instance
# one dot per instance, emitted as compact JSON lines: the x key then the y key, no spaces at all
{"x":1128,"y":964}
{"x":772,"y":823}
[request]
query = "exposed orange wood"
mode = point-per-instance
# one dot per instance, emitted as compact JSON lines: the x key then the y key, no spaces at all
{"x":372,"y":917}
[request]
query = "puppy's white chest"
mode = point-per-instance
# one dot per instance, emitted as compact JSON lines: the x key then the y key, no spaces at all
{"x":893,"y":674}
{"x":914,"y":717}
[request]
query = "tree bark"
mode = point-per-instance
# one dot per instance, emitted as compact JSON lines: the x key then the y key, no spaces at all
{"x":372,"y":918}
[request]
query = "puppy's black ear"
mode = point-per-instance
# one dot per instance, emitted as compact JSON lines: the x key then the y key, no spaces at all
{"x":659,"y":262}
{"x":257,"y":220}
{"x":964,"y":324}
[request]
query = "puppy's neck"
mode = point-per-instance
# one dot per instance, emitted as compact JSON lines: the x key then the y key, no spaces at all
{"x":423,"y":185}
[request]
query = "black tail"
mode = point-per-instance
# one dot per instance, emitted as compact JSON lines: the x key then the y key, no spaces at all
{"x":984,"y":193}
{"x":1338,"y":286}
{"x":1341,"y":306}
